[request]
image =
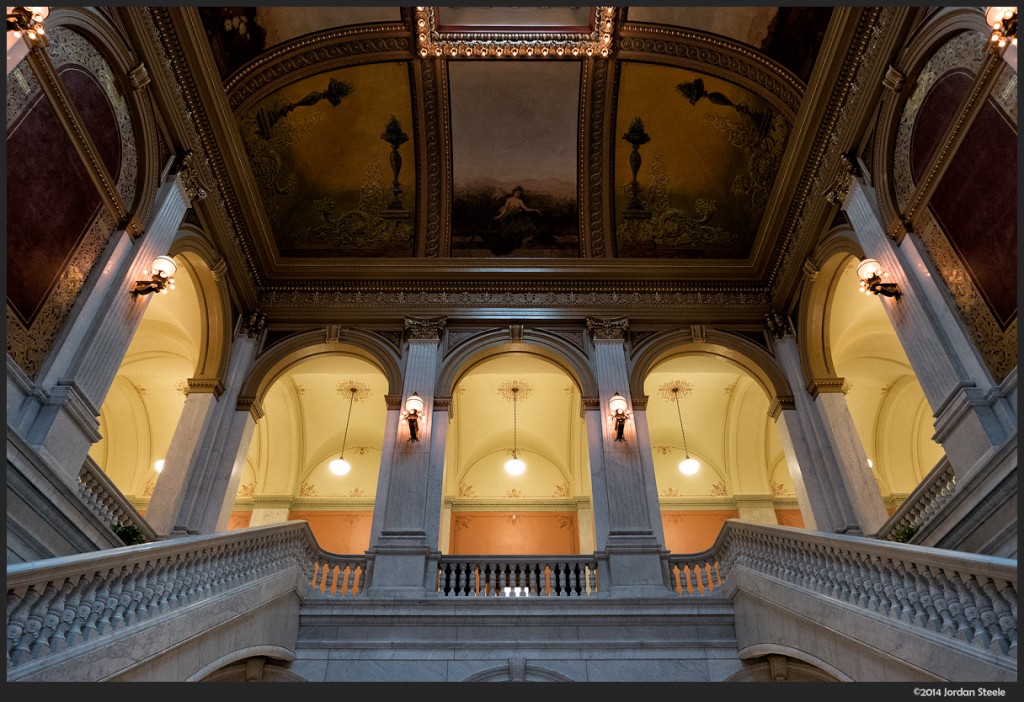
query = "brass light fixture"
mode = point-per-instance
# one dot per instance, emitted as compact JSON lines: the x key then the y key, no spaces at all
{"x":27,"y":22}
{"x":413,"y":412}
{"x":515,"y":466}
{"x":617,"y":405}
{"x":1003,"y":21}
{"x":161,"y":280}
{"x":688,"y":466}
{"x":870,"y":273}
{"x":339,"y":466}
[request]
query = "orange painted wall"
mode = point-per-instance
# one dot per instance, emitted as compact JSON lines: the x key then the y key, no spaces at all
{"x":692,"y":531}
{"x":790,"y":517}
{"x":338,"y":532}
{"x":239,"y":520}
{"x":514,"y":533}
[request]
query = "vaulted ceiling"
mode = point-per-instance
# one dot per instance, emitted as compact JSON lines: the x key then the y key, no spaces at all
{"x":667,"y":151}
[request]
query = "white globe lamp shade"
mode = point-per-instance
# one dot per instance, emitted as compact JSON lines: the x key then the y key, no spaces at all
{"x":689,"y":466}
{"x":339,"y":466}
{"x":514,"y":466}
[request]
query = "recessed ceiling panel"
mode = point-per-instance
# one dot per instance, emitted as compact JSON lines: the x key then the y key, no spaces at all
{"x":695,"y":161}
{"x":333,"y":156}
{"x":514,"y":155}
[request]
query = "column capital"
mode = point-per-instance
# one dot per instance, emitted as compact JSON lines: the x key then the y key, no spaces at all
{"x":207,"y":385}
{"x":188,"y":177}
{"x":424,"y":327}
{"x":252,"y":406}
{"x":613,"y":328}
{"x":818,"y":386}
{"x":777,"y":325}
{"x":843,"y":181}
{"x":252,"y":324}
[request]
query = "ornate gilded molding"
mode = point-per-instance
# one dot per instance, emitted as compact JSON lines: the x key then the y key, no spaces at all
{"x":436,"y":152}
{"x":608,"y":328}
{"x":422,"y":328}
{"x":843,"y":181}
{"x":431,"y":41}
{"x":189,"y":176}
{"x":588,"y":404}
{"x":640,"y":403}
{"x":893,"y":80}
{"x":780,"y":404}
{"x":598,"y":79}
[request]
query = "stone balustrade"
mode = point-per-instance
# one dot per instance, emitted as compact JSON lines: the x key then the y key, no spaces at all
{"x":963,"y":596}
{"x":105,"y":501}
{"x":529,"y":576}
{"x":937,"y":488}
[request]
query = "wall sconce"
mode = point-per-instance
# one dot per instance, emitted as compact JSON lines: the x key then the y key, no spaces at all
{"x":870,"y":273}
{"x":27,"y":21}
{"x":1003,"y":21}
{"x":618,"y":407}
{"x":413,"y":412}
{"x":161,"y":281}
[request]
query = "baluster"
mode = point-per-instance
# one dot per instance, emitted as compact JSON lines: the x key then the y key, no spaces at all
{"x":52,"y":633}
{"x":933,"y":577}
{"x":592,"y":578}
{"x":560,"y":580}
{"x":533,"y":578}
{"x":1003,"y":619}
{"x":932,"y":620}
{"x":102,"y":606}
{"x":69,"y":628}
{"x":997,"y":642}
{"x":462,"y":578}
{"x":866,"y":582}
{"x":978,"y":633}
{"x":19,"y":636}
{"x":699,"y":587}
{"x":894,"y":608}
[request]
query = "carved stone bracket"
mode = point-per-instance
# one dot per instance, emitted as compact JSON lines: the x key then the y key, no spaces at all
{"x":893,"y":79}
{"x":138,"y":78}
{"x":820,"y":385}
{"x":843,"y":181}
{"x":187,"y":173}
{"x":698,"y":333}
{"x":252,"y":406}
{"x":810,"y":270}
{"x":608,"y":328}
{"x":424,"y":328}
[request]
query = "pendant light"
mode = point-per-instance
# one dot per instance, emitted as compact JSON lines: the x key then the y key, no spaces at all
{"x":688,"y":466}
{"x":339,"y":466}
{"x":514,"y":466}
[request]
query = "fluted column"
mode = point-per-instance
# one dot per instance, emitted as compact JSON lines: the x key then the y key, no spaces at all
{"x":204,"y":463}
{"x":411,"y":502}
{"x":840,"y":488}
{"x":622,"y":481}
{"x":59,"y":417}
{"x":973,"y":417}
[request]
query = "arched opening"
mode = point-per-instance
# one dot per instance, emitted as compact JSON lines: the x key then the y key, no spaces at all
{"x":141,"y":410}
{"x":522,"y":402}
{"x":709,"y":408}
{"x":319,"y":409}
{"x":887,"y":404}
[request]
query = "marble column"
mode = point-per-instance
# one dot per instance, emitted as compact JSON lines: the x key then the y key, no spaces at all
{"x":840,"y":487}
{"x":973,"y":416}
{"x":204,"y":463}
{"x":58,"y":416}
{"x":410,"y":502}
{"x":623,"y":483}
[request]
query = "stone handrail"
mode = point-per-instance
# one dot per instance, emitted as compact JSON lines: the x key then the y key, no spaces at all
{"x":105,"y":501}
{"x":967,"y":597}
{"x":517,"y":576}
{"x":927,"y":499}
{"x":60,"y":603}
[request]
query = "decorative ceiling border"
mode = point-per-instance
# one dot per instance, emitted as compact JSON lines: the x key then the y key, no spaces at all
{"x":312,"y":54}
{"x":732,"y":60}
{"x":196,"y":124}
{"x":536,"y":45}
{"x":825,"y":156}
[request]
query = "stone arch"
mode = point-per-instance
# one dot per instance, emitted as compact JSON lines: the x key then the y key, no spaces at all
{"x":111,"y":44}
{"x":517,"y":673}
{"x":251,"y":664}
{"x":779,"y":667}
{"x":205,"y":266}
{"x":286,"y":353}
{"x":753,"y":359}
{"x":943,"y":26}
{"x":550,"y":346}
{"x":830,"y":259}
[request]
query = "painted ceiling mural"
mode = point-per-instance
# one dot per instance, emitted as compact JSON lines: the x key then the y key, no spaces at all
{"x":353,"y":147}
